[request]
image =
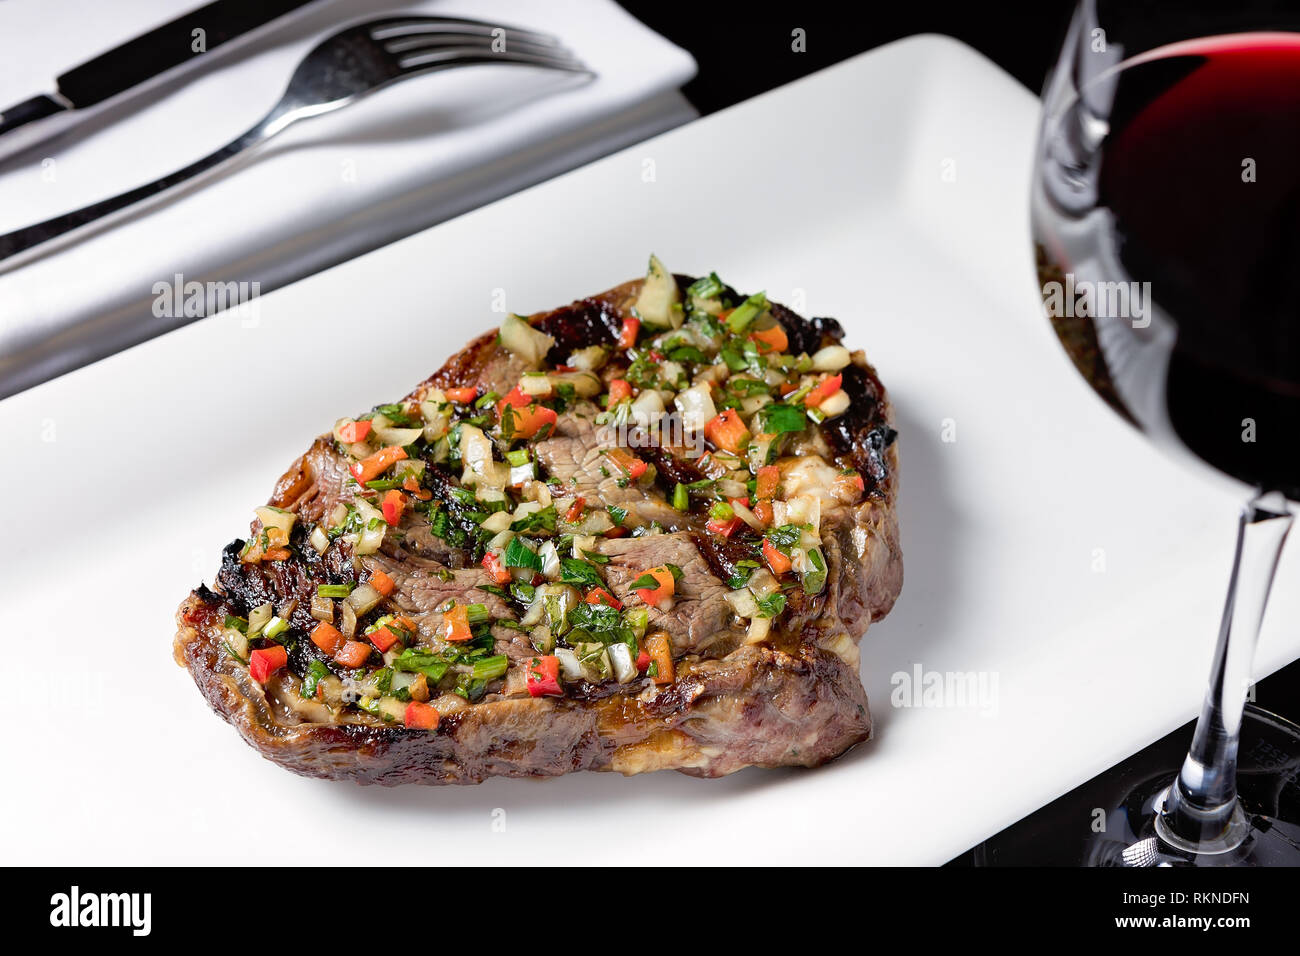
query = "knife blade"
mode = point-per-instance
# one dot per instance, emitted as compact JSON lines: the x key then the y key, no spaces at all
{"x":133,"y":63}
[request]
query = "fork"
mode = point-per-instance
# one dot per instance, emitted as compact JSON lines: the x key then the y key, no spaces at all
{"x":340,"y":70}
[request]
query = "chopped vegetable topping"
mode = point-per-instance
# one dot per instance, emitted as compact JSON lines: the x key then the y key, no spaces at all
{"x":655,"y":585}
{"x":455,"y":625}
{"x":265,"y":661}
{"x":466,"y":465}
{"x":375,"y":465}
{"x":418,"y":716}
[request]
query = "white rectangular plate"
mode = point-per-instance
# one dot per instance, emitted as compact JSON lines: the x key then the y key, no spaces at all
{"x":1046,"y":548}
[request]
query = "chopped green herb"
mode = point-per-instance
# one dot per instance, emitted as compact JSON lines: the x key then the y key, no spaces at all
{"x":746,"y":312}
{"x":681,"y":497}
{"x":519,"y":555}
{"x":334,"y":590}
{"x":778,"y":418}
{"x":772,"y":605}
{"x":579,"y":572}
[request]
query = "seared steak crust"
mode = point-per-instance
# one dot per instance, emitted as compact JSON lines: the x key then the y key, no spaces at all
{"x":793,"y":700}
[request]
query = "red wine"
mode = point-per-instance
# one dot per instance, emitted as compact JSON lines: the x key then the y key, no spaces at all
{"x":1200,"y":172}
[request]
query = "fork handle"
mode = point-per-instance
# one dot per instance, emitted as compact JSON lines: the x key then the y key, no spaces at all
{"x":20,"y":240}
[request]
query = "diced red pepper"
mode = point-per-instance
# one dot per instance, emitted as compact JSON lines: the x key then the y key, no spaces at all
{"x":769,"y":479}
{"x":383,"y":638}
{"x":660,"y":649}
{"x":463,"y":395}
{"x":515,"y":398}
{"x":601,"y":596}
{"x":642,"y":660}
{"x":728,"y":431}
{"x":620,"y":390}
{"x":393,"y":505}
{"x":667,"y":585}
{"x":543,"y":677}
{"x":354,"y":431}
{"x":771,"y":340}
{"x":777,"y":561}
{"x":420,"y":716}
{"x":265,"y":661}
{"x":724,"y":526}
{"x":455,"y":624}
{"x":277,"y":554}
{"x":574,"y":514}
{"x":527,"y":418}
{"x":617,"y":531}
{"x":825,"y":390}
{"x":382,"y":583}
{"x":372,"y":466}
{"x":631,"y":328}
{"x":627,"y":463}
{"x":352,"y":654}
{"x":327,"y":637}
{"x":499,"y":573}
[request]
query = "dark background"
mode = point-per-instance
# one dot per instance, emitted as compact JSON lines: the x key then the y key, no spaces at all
{"x":744,"y":50}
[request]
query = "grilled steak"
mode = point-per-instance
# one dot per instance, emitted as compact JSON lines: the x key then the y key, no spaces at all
{"x":643,"y":531}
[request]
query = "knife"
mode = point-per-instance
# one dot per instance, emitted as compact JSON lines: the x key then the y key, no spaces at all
{"x":132,"y":64}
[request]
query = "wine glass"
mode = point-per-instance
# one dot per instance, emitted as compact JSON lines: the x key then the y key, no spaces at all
{"x":1166,"y":218}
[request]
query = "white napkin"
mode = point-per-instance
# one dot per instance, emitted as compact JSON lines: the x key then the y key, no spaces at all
{"x":326,"y":190}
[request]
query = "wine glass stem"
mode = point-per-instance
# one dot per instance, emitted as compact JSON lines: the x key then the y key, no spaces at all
{"x":1200,"y":813}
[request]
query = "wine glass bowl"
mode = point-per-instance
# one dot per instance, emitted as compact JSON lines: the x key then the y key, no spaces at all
{"x":1166,"y":220}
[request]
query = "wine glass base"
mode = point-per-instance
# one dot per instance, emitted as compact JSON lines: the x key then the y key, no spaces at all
{"x":1266,"y":831}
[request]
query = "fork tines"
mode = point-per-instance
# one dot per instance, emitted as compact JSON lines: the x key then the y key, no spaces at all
{"x":423,"y":41}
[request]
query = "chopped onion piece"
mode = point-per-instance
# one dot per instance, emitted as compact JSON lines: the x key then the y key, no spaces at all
{"x":585,"y":384}
{"x":521,"y":339}
{"x":762,"y":584}
{"x":745,"y":515}
{"x":659,"y":304}
{"x":319,"y":539}
{"x":742,"y":602}
{"x":322,"y":608}
{"x":696,"y":406}
{"x":590,"y":359}
{"x":758,"y":630}
{"x":837,"y":404}
{"x":363,"y":598}
{"x":388,"y":434}
{"x":496,"y":522}
{"x":731,"y":488}
{"x":569,"y":665}
{"x":259,"y":617}
{"x":550,"y":560}
{"x":275,"y":517}
{"x":620,"y":657}
{"x":501,"y":540}
{"x":536,"y":383}
{"x":648,"y":407}
{"x":830,"y":359}
{"x":583,"y":543}
{"x":348,"y":620}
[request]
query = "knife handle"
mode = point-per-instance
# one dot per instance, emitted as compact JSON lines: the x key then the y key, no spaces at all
{"x":38,"y":107}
